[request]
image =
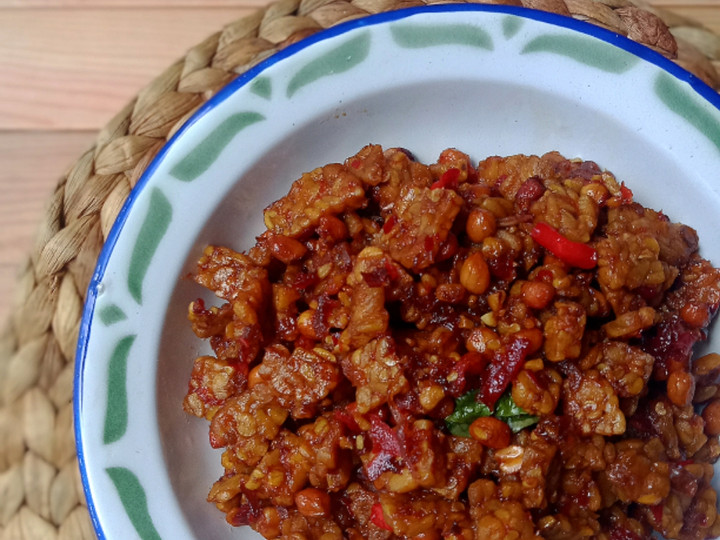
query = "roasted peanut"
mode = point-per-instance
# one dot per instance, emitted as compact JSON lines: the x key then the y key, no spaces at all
{"x":312,"y":502}
{"x":480,"y":224}
{"x":305,"y":324}
{"x":706,"y":364}
{"x":483,"y":340}
{"x":491,"y":432}
{"x":681,"y":388}
{"x":537,"y":294}
{"x":711,"y":415}
{"x":696,"y":315}
{"x":475,"y":274}
{"x":286,"y":249}
{"x":332,"y":228}
{"x":534,"y":336}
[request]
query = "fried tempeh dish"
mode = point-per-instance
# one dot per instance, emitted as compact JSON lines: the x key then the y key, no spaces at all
{"x":501,"y":350}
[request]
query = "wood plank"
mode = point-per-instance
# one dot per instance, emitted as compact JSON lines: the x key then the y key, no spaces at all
{"x":232,"y":3}
{"x":32,"y":163}
{"x":75,"y":68}
{"x":53,"y":82}
{"x":707,"y":16}
{"x":670,"y":4}
{"x":91,"y":4}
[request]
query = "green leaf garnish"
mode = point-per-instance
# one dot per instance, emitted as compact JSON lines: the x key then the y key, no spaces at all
{"x":507,"y":408}
{"x":467,"y":409}
{"x":518,"y":423}
{"x":512,"y":414}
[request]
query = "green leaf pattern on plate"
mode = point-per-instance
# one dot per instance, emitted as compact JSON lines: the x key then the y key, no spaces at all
{"x":111,"y":314}
{"x":262,"y":86}
{"x":133,"y":498}
{"x":204,"y":154}
{"x":341,"y":59}
{"x":415,"y":36}
{"x":585,"y":50}
{"x":511,"y":26}
{"x":116,"y":410}
{"x":681,"y":101}
{"x":152,"y":230}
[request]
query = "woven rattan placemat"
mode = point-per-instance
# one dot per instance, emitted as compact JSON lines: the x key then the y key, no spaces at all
{"x":40,"y":491}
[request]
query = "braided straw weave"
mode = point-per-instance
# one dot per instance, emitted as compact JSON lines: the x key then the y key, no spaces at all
{"x":40,"y":490}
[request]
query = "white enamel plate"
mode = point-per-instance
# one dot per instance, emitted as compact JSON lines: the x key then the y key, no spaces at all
{"x":486,"y":80}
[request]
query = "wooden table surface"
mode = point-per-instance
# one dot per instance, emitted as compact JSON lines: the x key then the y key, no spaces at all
{"x":67,"y":66}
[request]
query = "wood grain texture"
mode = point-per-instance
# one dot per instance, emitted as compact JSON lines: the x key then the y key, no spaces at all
{"x":709,"y":15}
{"x":69,"y":65}
{"x":674,"y":4}
{"x":94,"y":4}
{"x":32,"y":162}
{"x":74,"y":68}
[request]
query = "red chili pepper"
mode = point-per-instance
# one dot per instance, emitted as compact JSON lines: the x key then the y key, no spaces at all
{"x":379,"y":464}
{"x":303,"y":280}
{"x":393,"y":272}
{"x":502,"y":371}
{"x":386,"y":446}
{"x":545,"y":276}
{"x":429,"y":243}
{"x":389,"y":224}
{"x":378,"y":518}
{"x":245,"y":514}
{"x":657,"y":512}
{"x":471,"y":363}
{"x":573,"y":253}
{"x":345,"y":417}
{"x":448,"y":179}
{"x":383,"y":437}
{"x":624,"y":197}
{"x":626,"y":194}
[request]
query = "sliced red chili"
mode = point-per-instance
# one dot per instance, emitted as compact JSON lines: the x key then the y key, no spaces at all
{"x":626,"y":194}
{"x":471,"y":363}
{"x":545,"y":276}
{"x":378,"y":518}
{"x":379,"y":464}
{"x":321,"y":317}
{"x":429,"y":242}
{"x":378,"y":277}
{"x":389,"y":224}
{"x":448,"y":179}
{"x":303,"y":280}
{"x":502,"y":371}
{"x":345,"y":417}
{"x":392,"y":271}
{"x":386,"y":446}
{"x":383,"y":437}
{"x":530,"y":191}
{"x":245,"y":514}
{"x":568,"y":251}
{"x":657,"y":512}
{"x":624,"y":197}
